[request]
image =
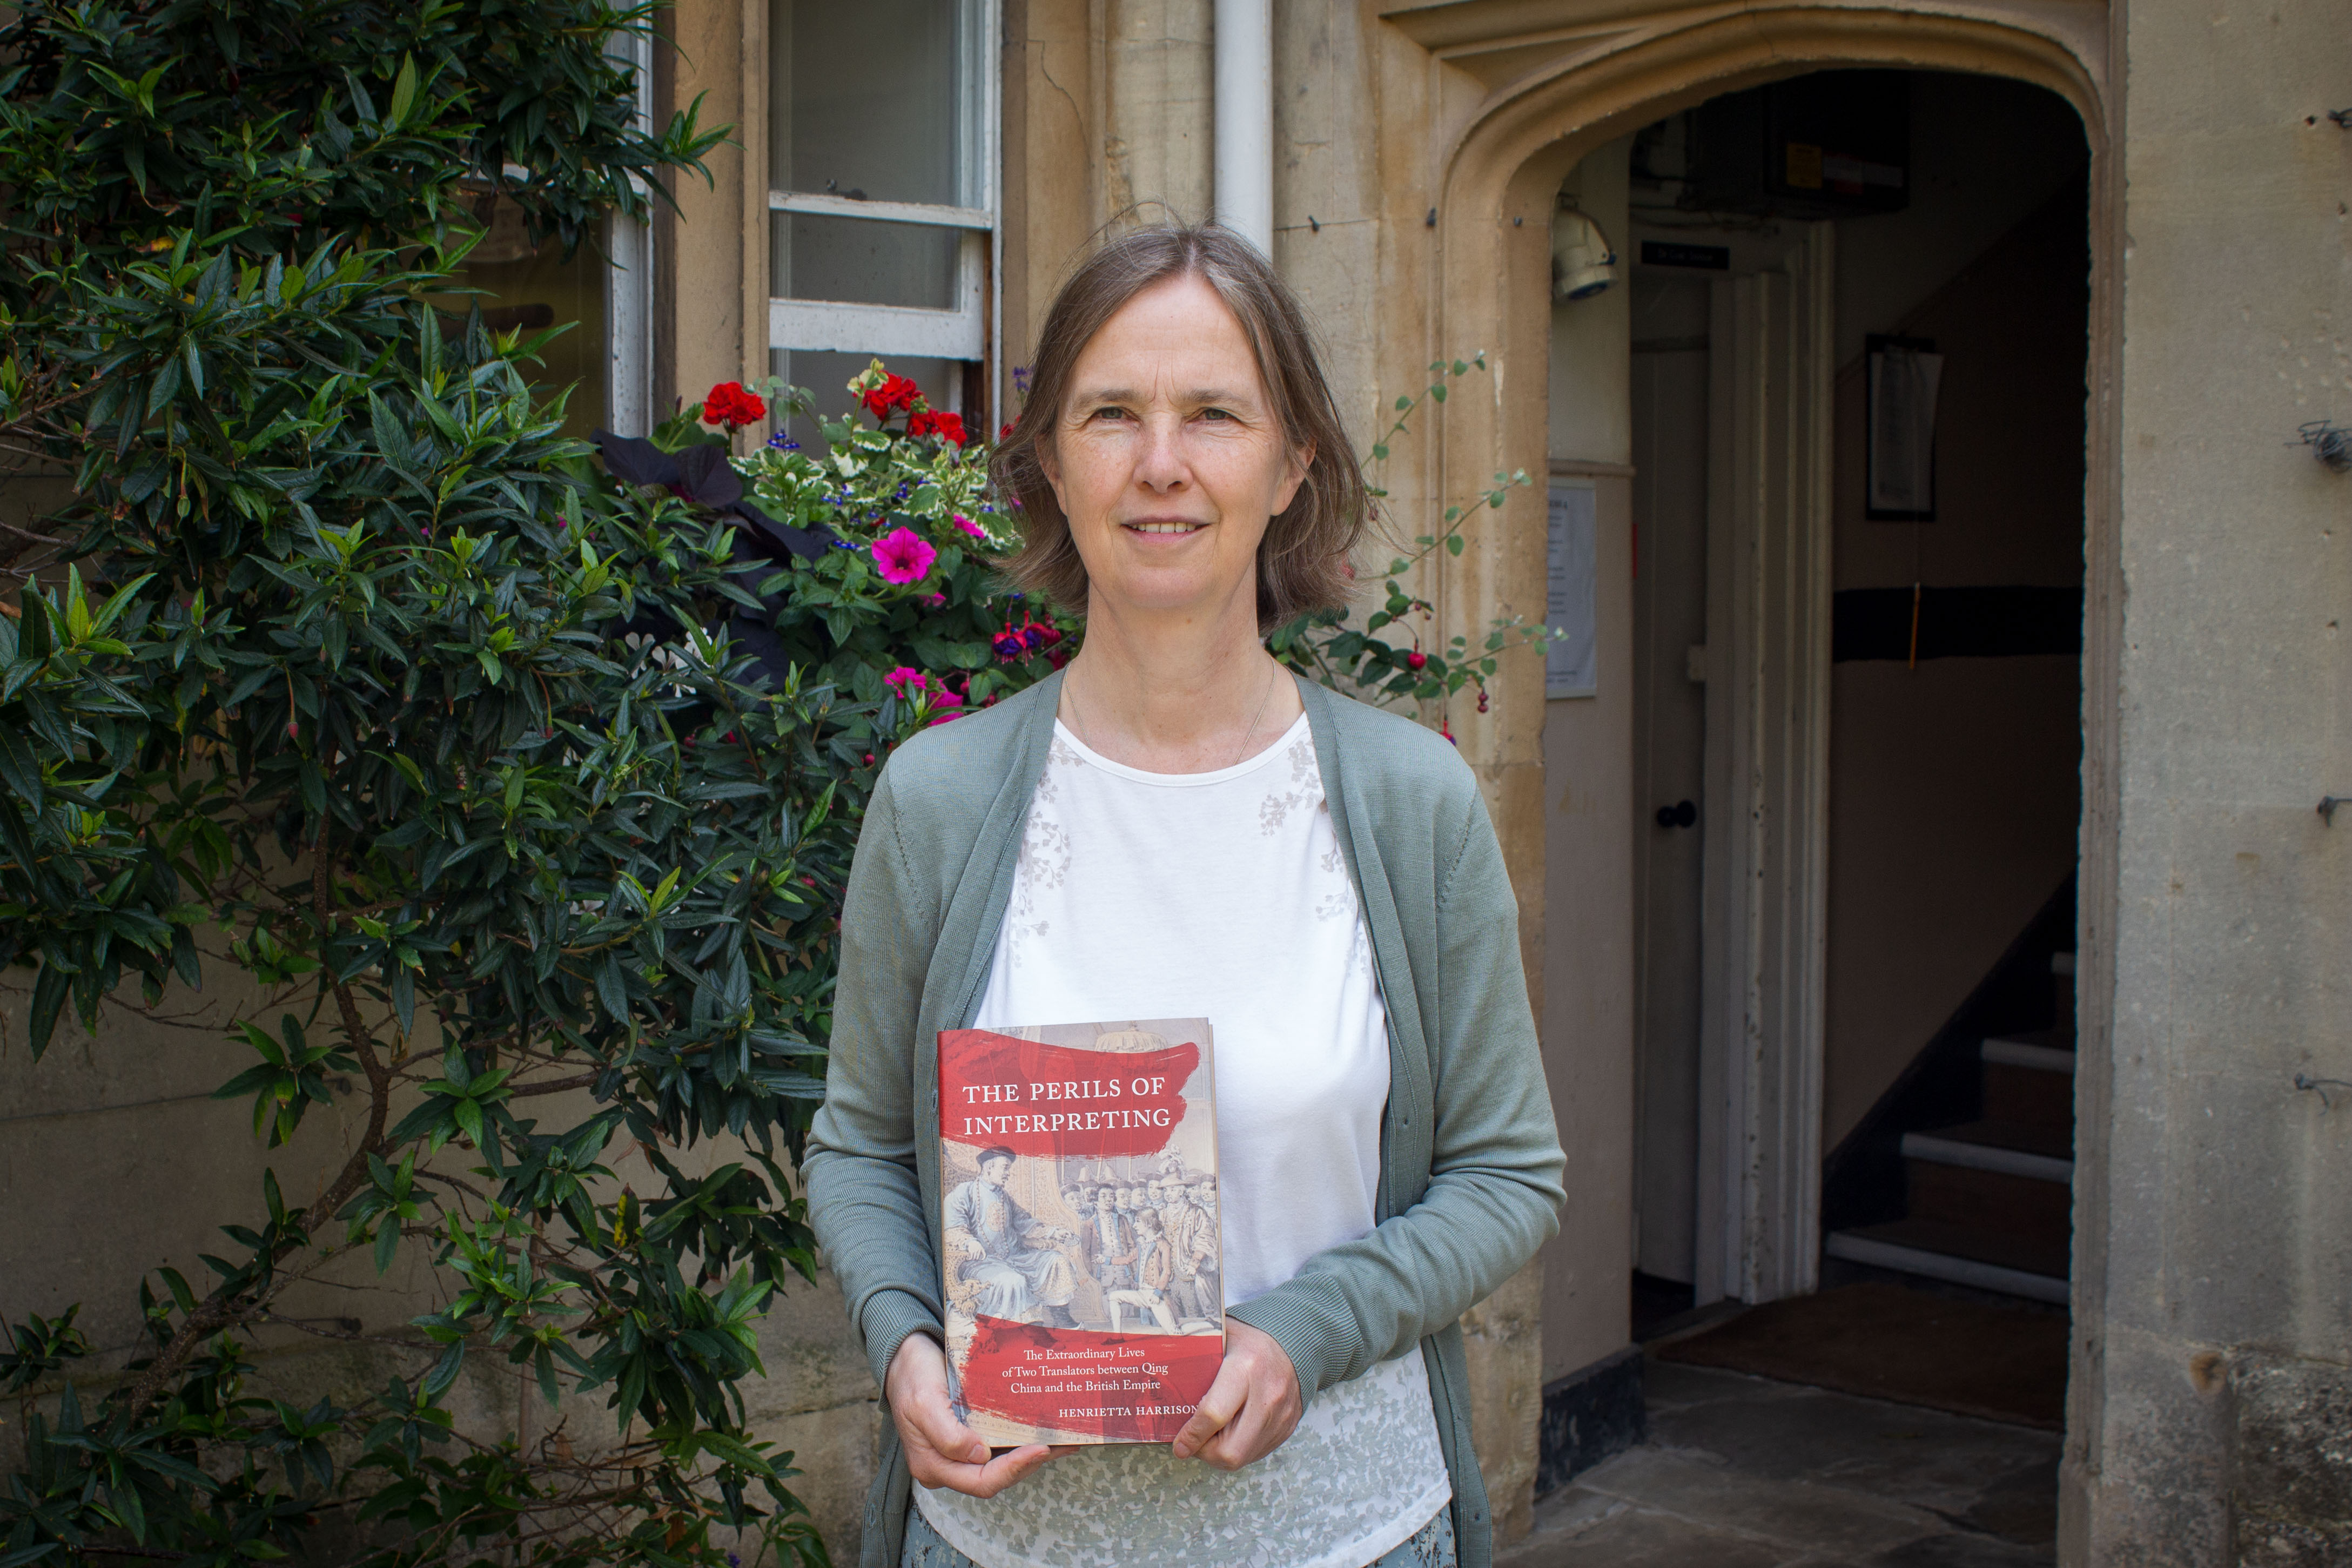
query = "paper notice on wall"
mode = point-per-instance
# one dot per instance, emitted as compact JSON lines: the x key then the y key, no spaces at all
{"x":1903,"y":387}
{"x":1574,"y":558}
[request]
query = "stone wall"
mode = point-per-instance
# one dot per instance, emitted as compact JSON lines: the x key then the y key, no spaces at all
{"x":2213,"y":1286}
{"x":115,"y":1161}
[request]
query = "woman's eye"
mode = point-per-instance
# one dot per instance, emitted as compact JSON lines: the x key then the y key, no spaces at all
{"x":1215,"y":413}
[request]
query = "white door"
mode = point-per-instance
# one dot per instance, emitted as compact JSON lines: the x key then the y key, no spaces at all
{"x":1731,"y":373}
{"x":1669,"y":387}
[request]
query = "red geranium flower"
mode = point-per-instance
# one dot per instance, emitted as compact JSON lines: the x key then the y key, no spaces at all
{"x":728,"y":404}
{"x":936,"y":422}
{"x":896,"y":392}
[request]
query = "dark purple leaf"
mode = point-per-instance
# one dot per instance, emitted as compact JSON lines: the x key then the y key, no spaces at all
{"x":634,"y":460}
{"x":705,"y":476}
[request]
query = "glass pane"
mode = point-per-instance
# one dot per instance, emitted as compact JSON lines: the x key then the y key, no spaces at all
{"x":860,"y":261}
{"x":865,"y":100}
{"x":827,"y":377}
{"x":533,"y":288}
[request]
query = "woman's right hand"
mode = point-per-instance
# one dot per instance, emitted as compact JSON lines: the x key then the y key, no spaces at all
{"x":943,"y":1451}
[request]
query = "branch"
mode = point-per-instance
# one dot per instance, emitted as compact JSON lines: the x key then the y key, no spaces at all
{"x":553,"y":1086}
{"x":226,"y":1306}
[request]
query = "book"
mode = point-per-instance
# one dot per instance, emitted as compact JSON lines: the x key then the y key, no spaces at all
{"x":1081,"y":1257}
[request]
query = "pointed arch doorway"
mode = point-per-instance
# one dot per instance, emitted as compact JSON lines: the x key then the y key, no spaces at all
{"x":1758,"y":1219}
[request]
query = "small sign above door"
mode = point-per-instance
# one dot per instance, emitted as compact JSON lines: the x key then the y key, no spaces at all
{"x":1673,"y":253}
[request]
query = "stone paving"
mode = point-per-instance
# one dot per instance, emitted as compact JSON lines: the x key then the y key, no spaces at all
{"x":1740,"y":1472}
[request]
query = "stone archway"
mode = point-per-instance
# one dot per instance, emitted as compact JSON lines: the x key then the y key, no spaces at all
{"x":1489,"y":286}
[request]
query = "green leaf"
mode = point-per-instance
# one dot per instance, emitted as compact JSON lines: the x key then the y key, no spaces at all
{"x":50,"y":988}
{"x":1453,"y":544}
{"x":404,"y":91}
{"x":19,"y":770}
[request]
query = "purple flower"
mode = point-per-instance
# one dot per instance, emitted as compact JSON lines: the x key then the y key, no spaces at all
{"x":902,"y":555}
{"x":968,"y":525}
{"x":1021,"y":379}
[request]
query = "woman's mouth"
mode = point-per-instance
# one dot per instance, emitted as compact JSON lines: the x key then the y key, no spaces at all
{"x":1164,"y":527}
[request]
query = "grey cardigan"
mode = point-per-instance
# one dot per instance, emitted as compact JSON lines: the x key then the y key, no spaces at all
{"x":1470,"y":1158}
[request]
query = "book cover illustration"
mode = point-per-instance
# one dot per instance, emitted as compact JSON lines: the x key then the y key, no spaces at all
{"x":1081,"y":1243}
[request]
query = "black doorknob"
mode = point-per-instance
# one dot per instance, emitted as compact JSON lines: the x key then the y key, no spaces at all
{"x":1682,"y":814}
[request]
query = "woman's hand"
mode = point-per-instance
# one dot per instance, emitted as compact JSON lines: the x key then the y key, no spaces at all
{"x":1250,"y":1410}
{"x":943,"y":1451}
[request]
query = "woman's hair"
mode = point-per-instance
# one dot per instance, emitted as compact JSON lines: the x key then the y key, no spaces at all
{"x":1302,"y":563}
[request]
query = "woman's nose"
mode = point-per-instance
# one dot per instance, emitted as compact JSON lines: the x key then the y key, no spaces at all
{"x":1161,"y":464}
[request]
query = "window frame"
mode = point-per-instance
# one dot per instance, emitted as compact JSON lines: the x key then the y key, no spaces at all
{"x":969,"y":331}
{"x":629,"y":300}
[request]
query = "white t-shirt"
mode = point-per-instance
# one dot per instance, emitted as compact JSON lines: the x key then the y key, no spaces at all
{"x":1220,"y":895}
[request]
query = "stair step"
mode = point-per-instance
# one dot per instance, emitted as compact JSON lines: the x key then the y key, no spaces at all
{"x":2037,"y":1096}
{"x":2007,"y":1148}
{"x":1914,"y":1246}
{"x":2061,"y":963}
{"x":2038,"y":1051}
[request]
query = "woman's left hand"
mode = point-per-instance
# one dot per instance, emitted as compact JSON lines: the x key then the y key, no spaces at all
{"x":1250,"y":1410}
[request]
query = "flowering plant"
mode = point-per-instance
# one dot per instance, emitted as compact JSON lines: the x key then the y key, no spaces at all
{"x":1381,"y":663}
{"x":902,"y":607}
{"x":731,"y":405}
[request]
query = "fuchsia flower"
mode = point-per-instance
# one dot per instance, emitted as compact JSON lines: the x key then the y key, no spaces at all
{"x":902,"y":555}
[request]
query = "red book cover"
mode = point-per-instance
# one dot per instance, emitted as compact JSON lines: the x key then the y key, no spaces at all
{"x":1081,"y":1252}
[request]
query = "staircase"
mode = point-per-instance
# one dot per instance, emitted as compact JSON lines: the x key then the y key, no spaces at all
{"x":1964,"y":1171}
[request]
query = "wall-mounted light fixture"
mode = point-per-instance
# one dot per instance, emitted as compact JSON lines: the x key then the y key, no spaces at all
{"x":1583,"y":262}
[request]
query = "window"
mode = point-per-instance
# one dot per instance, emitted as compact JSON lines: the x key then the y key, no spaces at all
{"x":881,"y":164}
{"x":604,"y":365}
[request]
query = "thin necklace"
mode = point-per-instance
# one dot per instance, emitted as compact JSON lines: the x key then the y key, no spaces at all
{"x":1079,"y":719}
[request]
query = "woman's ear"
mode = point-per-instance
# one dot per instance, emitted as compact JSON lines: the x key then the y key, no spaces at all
{"x":1049,"y":461}
{"x":1302,"y":459}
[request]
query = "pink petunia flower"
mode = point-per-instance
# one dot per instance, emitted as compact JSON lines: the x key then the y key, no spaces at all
{"x":902,"y":555}
{"x":905,"y":680}
{"x":968,"y":525}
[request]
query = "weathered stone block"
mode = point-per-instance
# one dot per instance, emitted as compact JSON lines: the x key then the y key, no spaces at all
{"x":2292,"y":1500}
{"x":1503,"y":1344}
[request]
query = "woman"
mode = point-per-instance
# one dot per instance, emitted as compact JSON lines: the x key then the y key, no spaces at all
{"x":1174,"y":827}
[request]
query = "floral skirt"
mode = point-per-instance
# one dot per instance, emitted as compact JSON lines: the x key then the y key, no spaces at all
{"x":1431,"y":1546}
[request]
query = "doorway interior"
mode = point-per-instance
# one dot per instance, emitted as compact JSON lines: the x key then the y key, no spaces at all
{"x":1856,"y":676}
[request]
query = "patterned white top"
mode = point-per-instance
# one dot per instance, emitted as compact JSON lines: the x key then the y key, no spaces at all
{"x":1222,"y":895}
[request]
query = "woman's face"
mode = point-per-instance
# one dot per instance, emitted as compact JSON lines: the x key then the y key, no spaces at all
{"x":1167,"y":458}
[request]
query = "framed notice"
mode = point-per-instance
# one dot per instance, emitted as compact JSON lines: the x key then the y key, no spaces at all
{"x":1905,"y":375}
{"x":1572,"y":566}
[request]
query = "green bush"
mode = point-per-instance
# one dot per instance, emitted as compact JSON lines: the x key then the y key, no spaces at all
{"x":343,"y":669}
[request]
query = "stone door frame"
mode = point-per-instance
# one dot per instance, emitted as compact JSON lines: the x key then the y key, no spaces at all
{"x":1489,"y":284}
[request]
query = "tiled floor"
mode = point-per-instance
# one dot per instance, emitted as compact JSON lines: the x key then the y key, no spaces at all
{"x":1743,"y":1473}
